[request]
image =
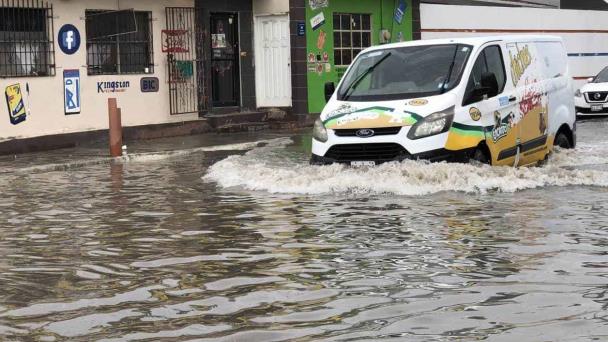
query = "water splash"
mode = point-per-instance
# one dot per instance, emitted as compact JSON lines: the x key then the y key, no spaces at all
{"x":265,"y":169}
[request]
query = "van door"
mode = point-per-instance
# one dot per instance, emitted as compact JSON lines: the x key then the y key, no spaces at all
{"x":532,"y":114}
{"x":497,"y":112}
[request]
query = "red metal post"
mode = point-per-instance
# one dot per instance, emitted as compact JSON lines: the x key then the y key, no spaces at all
{"x":114,"y":114}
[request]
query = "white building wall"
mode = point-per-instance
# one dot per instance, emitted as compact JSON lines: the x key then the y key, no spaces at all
{"x":270,"y":7}
{"x":585,"y":33}
{"x":46,"y":103}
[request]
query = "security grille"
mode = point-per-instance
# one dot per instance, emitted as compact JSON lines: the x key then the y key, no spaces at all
{"x":182,"y":44}
{"x":26,"y":38}
{"x":124,"y":49}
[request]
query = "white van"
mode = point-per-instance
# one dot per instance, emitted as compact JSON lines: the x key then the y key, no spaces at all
{"x":501,"y":100}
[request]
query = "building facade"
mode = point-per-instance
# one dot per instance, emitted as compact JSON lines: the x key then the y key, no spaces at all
{"x":166,"y":62}
{"x":60,"y":61}
{"x":337,"y":30}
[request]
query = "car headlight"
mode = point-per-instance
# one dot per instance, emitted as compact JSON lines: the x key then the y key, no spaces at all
{"x":578,"y":93}
{"x":319,"y":131}
{"x":433,"y":124}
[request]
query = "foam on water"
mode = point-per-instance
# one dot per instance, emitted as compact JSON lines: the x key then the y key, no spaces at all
{"x":272,"y":169}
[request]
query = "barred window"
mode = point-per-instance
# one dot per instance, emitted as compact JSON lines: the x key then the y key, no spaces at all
{"x":127,"y":49}
{"x":26,"y":39}
{"x":352,"y":33}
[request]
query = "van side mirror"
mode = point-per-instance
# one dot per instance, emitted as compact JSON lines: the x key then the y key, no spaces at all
{"x":330,"y":88}
{"x":590,"y":79}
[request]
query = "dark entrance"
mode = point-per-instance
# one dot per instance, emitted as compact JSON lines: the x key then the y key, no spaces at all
{"x":225,"y":84}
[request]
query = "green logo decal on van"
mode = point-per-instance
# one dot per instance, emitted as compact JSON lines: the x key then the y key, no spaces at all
{"x":371,"y":117}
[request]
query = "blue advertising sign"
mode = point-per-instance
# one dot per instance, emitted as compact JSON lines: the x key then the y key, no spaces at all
{"x":400,"y":11}
{"x":301,"y":29}
{"x":68,"y":39}
{"x":71,"y":91}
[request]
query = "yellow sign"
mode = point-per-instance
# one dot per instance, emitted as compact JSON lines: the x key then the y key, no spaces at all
{"x":519,"y":63}
{"x":475,"y":114}
{"x":418,"y":102}
{"x":14,"y":101}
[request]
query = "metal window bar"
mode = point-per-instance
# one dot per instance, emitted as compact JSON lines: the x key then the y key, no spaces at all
{"x":184,"y":36}
{"x":345,"y":53}
{"x":26,"y":38}
{"x":128,"y":53}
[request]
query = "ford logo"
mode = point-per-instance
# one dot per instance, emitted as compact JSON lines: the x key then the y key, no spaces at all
{"x":365,"y":133}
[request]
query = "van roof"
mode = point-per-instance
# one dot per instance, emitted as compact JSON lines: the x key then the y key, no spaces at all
{"x":474,"y":41}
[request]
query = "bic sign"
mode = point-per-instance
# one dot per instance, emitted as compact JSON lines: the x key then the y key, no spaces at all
{"x":149,"y":84}
{"x":69,"y":39}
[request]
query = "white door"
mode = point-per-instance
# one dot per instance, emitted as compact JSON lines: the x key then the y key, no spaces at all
{"x":272,"y":61}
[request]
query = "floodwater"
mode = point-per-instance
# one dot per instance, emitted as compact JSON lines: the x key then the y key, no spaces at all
{"x":243,"y":241}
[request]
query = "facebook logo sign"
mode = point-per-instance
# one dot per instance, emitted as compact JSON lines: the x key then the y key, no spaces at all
{"x":69,"y":39}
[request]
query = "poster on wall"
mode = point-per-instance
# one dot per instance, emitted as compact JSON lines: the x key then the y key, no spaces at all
{"x":14,"y":101}
{"x":71,"y":91}
{"x":317,"y":21}
{"x":400,"y":11}
{"x":321,"y":40}
{"x":316,"y":4}
{"x":218,"y":41}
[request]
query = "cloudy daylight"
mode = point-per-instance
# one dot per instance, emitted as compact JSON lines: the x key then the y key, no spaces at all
{"x":303,"y":170}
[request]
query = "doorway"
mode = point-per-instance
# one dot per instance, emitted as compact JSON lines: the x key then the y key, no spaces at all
{"x":273,"y":61}
{"x":225,"y":76}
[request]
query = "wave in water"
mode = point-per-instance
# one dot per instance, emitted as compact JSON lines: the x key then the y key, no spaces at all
{"x":267,"y":169}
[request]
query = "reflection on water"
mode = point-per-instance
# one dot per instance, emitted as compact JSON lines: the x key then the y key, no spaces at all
{"x":147,"y":250}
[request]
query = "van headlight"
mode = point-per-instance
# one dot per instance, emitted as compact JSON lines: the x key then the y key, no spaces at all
{"x":578,"y":93}
{"x":319,"y":131}
{"x":433,"y":124}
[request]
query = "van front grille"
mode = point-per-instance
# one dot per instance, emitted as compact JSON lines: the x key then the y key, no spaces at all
{"x":377,"y":131}
{"x":380,"y":152}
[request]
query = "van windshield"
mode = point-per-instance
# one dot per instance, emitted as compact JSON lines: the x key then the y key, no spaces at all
{"x":403,"y":73}
{"x":602,"y":77}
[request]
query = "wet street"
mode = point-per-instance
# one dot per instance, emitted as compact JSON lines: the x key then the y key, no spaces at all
{"x":237,"y":238}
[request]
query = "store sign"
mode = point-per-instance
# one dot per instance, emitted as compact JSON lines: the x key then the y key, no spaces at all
{"x":14,"y":101}
{"x":149,"y":85}
{"x":71,"y":91}
{"x":69,"y":39}
{"x":317,"y":21}
{"x":174,"y":41}
{"x":301,"y":29}
{"x":113,"y":87}
{"x":400,"y":11}
{"x":316,"y":4}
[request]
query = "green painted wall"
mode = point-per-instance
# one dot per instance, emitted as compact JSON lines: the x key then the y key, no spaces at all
{"x":382,"y":18}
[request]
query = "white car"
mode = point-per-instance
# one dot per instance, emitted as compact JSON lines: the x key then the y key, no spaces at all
{"x":592,"y":98}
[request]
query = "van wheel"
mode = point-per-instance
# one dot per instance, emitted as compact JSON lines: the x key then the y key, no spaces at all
{"x":480,"y":157}
{"x":561,"y":140}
